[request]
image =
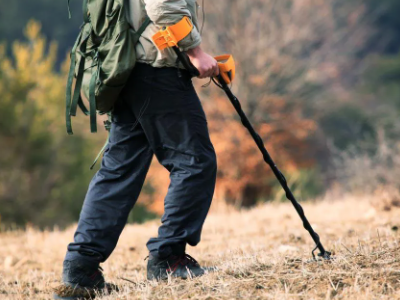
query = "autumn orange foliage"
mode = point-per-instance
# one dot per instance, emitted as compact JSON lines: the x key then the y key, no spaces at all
{"x":243,"y":176}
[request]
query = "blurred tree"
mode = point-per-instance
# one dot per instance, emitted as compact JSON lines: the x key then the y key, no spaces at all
{"x":369,"y":159}
{"x":385,"y":15}
{"x":380,"y":95}
{"x":44,"y":174}
{"x":290,"y":65}
{"x":347,"y":126}
{"x":14,"y":15}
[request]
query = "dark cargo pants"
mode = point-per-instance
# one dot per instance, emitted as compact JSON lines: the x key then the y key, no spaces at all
{"x":158,"y":113}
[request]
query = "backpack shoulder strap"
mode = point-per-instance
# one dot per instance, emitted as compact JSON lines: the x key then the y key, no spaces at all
{"x":143,"y":27}
{"x":85,"y":11}
{"x":84,"y":8}
{"x":137,"y":34}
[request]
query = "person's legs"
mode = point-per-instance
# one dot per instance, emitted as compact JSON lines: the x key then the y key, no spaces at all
{"x":113,"y":190}
{"x":159,"y":113}
{"x":176,"y":128}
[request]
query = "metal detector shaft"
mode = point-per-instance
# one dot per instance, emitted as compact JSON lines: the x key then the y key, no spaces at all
{"x":186,"y":62}
{"x":267,"y":158}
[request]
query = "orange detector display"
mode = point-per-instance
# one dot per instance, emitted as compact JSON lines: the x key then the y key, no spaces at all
{"x":227,"y":68}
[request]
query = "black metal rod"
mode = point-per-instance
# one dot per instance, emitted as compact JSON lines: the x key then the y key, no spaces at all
{"x":267,"y":158}
{"x":186,"y":62}
{"x":278,"y":174}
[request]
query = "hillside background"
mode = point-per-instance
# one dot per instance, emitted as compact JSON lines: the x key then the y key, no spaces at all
{"x":320,"y":80}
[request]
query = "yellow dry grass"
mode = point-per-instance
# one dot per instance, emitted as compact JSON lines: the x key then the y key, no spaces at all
{"x":261,"y":254}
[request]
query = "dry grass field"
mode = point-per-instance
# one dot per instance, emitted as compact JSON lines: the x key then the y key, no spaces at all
{"x":261,"y":254}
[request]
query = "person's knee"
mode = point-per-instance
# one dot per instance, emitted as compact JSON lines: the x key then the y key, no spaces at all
{"x":213,"y":162}
{"x":210,"y":164}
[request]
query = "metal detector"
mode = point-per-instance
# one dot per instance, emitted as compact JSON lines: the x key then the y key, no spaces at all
{"x":169,"y":37}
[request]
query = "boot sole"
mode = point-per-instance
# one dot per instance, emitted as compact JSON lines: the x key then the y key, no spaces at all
{"x":73,"y":293}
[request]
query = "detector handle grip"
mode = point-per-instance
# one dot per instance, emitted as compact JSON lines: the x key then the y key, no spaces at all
{"x":187,"y":64}
{"x":226,"y":66}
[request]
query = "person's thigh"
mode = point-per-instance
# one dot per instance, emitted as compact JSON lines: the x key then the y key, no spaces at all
{"x":169,"y":110}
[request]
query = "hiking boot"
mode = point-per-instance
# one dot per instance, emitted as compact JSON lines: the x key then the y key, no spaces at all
{"x":80,"y":281}
{"x":183,"y":266}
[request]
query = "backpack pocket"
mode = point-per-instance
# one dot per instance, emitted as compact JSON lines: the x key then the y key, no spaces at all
{"x":101,"y":60}
{"x":117,"y":58}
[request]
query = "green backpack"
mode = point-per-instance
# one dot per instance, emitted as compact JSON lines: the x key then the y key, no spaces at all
{"x":102,"y":59}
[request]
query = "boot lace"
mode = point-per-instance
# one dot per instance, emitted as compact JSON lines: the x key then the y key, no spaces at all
{"x":183,"y":260}
{"x":95,"y":273}
{"x":186,"y":259}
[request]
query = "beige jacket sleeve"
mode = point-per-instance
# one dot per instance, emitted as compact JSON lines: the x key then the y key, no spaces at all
{"x":169,"y":12}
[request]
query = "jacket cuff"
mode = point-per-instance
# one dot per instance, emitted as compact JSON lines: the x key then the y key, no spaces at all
{"x":191,"y":41}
